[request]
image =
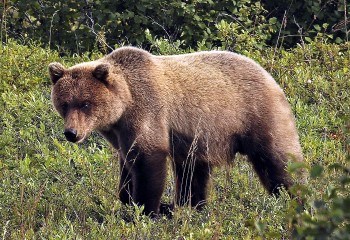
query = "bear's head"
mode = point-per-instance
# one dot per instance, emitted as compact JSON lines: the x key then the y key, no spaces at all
{"x":89,"y":96}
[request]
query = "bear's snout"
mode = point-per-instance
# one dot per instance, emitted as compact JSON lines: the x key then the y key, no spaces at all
{"x":71,"y":134}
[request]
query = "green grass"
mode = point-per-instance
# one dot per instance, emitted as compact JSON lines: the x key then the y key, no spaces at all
{"x":52,"y":189}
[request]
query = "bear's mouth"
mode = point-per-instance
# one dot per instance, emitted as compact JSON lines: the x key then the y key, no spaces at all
{"x":81,"y":139}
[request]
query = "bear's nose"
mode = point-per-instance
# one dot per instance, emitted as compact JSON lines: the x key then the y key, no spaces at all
{"x":71,"y":134}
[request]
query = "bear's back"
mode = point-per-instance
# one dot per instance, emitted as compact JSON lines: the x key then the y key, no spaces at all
{"x":216,"y":88}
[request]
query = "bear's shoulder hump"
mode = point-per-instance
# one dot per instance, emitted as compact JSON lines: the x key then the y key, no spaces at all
{"x":129,"y":55}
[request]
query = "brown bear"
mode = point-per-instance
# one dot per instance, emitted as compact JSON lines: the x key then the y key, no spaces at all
{"x":197,"y":109}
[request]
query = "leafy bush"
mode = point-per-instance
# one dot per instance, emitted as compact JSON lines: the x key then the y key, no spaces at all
{"x":307,"y":18}
{"x":81,"y":26}
{"x":328,"y":216}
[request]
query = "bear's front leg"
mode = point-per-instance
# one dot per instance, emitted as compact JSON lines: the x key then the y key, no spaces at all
{"x":148,"y":178}
{"x":125,"y":182}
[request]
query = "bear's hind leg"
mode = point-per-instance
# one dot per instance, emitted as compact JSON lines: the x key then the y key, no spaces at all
{"x":200,"y":185}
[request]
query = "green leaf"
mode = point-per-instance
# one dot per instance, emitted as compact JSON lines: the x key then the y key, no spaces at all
{"x":338,"y":40}
{"x":294,"y":166}
{"x":319,"y":204}
{"x":260,"y":226}
{"x":336,"y":166}
{"x":309,"y":40}
{"x":316,"y":171}
{"x":317,"y":27}
{"x":272,"y":20}
{"x":331,"y":192}
{"x":345,"y":180}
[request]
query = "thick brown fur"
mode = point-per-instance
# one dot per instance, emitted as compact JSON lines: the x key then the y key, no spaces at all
{"x":198,"y":109}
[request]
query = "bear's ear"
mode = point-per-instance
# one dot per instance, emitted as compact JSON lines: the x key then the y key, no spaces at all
{"x":101,"y":72}
{"x":56,"y":71}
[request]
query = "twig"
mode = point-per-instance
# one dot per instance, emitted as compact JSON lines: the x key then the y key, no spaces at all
{"x":92,"y":28}
{"x":5,"y":230}
{"x":291,"y":35}
{"x":4,"y":21}
{"x":315,"y":16}
{"x":284,"y":23}
{"x":284,"y":19}
{"x":300,"y":31}
{"x":51,"y":24}
{"x":162,"y":27}
{"x":88,"y":14}
{"x":346,"y":21}
{"x":232,"y":17}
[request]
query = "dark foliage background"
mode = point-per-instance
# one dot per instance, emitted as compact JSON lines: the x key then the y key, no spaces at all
{"x":77,"y":26}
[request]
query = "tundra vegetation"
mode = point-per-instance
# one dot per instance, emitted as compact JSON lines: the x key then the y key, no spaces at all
{"x":52,"y":189}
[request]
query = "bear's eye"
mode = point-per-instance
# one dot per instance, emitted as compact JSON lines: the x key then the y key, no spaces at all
{"x":85,"y":106}
{"x":64,"y":108}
